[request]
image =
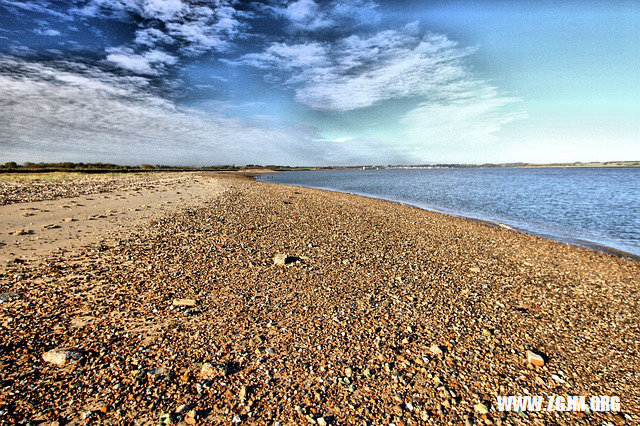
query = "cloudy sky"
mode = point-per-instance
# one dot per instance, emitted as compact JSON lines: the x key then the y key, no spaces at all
{"x":311,"y":82}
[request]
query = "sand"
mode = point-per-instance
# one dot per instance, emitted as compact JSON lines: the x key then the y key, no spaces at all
{"x":33,"y":229}
{"x":381,"y":313}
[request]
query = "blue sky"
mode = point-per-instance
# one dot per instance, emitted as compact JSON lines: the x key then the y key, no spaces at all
{"x":313,"y":82}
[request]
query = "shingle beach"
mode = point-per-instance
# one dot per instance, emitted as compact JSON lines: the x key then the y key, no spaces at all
{"x":264,"y":303}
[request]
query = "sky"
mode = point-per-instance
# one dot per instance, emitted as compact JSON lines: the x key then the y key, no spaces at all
{"x":311,"y":82}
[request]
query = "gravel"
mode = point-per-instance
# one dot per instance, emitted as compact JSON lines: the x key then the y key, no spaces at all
{"x":346,"y":335}
{"x":29,"y":188}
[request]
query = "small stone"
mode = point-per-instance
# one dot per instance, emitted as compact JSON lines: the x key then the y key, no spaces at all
{"x":184,"y":302}
{"x":158,"y":372}
{"x":436,"y":350}
{"x":209,"y":371}
{"x":181,"y":408}
{"x":68,"y":219}
{"x":22,"y":232}
{"x":236,"y":420}
{"x":486,"y":332}
{"x":476,"y":270}
{"x":535,"y":359}
{"x":191,"y":417}
{"x":6,"y":297}
{"x":166,"y":418}
{"x":279,"y":259}
{"x":366,"y":373}
{"x":61,"y":357}
{"x":480,"y":408}
{"x":321,"y":421}
{"x":348,"y":372}
{"x":243,"y":392}
{"x":282,"y":259}
{"x":557,"y":379}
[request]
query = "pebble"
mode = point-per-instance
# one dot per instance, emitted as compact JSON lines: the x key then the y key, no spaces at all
{"x":9,"y":296}
{"x":283,"y":259}
{"x":436,"y":350}
{"x":184,"y":302}
{"x":62,"y":357}
{"x":535,"y":359}
{"x":209,"y":371}
{"x":480,"y":408}
{"x":28,"y":190}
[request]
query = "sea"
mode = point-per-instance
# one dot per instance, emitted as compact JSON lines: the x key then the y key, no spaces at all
{"x":597,"y":208}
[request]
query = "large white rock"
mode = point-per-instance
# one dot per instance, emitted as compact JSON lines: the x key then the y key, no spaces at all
{"x":62,"y":357}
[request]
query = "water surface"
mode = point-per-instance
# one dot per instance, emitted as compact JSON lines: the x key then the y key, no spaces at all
{"x":584,"y":206}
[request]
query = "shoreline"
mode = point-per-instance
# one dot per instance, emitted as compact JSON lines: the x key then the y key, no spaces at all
{"x":575,"y":242}
{"x":379,"y":309}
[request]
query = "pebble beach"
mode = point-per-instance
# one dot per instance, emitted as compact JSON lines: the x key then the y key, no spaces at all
{"x":268,"y":304}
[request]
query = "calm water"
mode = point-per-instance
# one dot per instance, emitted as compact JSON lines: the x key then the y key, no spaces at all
{"x":588,"y":207}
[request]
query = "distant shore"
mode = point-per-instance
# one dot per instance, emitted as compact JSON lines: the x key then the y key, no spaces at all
{"x":12,"y":168}
{"x":258,"y":302}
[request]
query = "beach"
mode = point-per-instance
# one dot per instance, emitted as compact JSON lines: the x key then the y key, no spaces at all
{"x":204,"y":298}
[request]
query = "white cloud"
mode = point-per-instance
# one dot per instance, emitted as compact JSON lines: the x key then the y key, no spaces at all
{"x":343,"y":139}
{"x":68,"y":111}
{"x":451,"y":106}
{"x":151,"y":62}
{"x":290,"y":58}
{"x":474,"y":118}
{"x":48,"y":32}
{"x":304,"y":14}
{"x":356,"y":72}
{"x":34,"y":6}
{"x":151,"y":37}
{"x":309,"y":15}
{"x":196,"y":26}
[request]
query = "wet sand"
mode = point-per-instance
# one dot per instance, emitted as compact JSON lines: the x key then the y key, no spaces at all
{"x":382,"y":313}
